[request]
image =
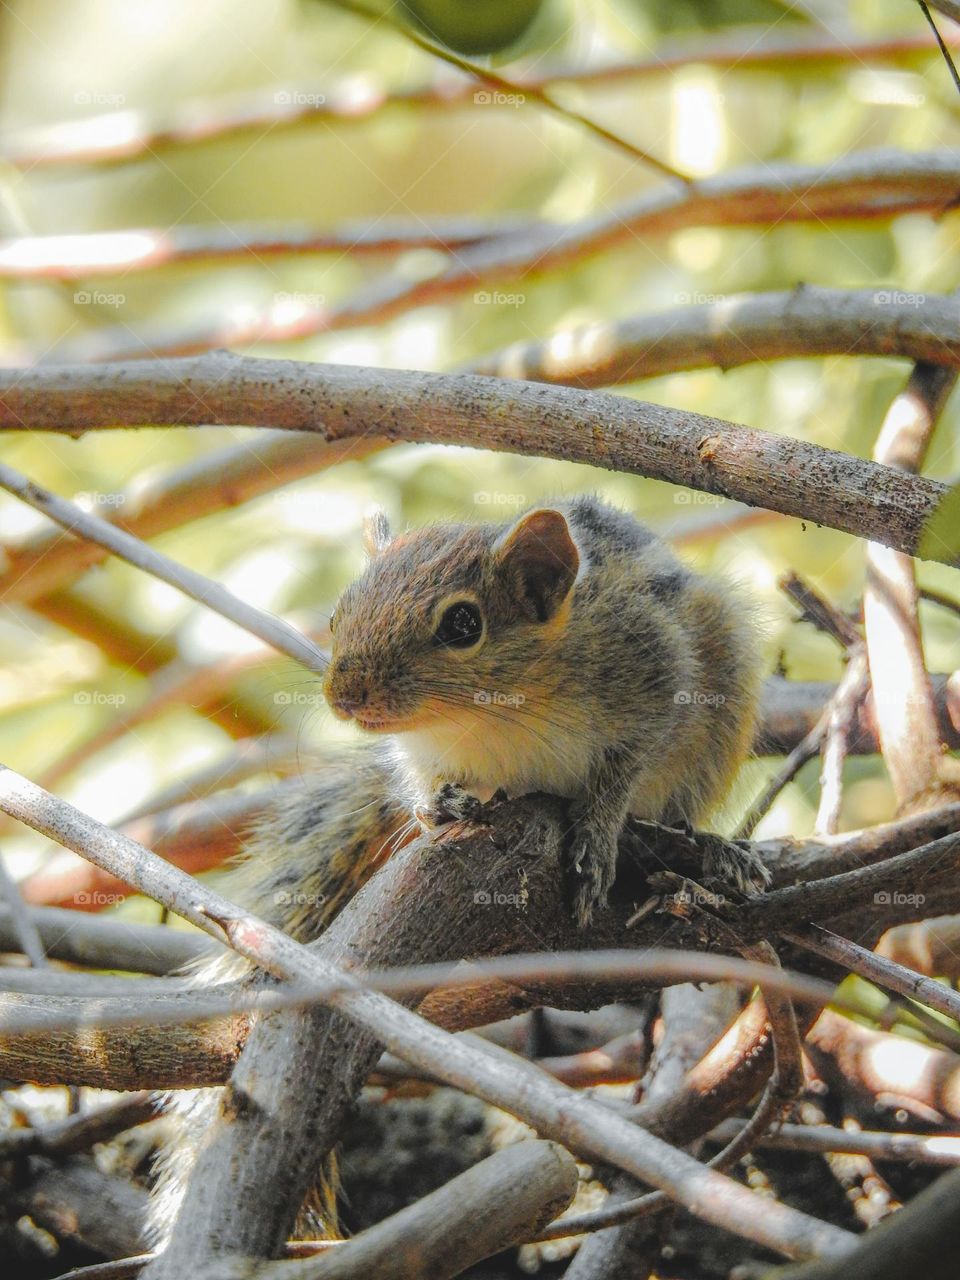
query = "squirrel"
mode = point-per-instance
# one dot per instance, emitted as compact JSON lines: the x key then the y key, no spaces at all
{"x":566,"y":651}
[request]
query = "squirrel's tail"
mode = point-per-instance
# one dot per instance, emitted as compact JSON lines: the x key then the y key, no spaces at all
{"x":303,"y":861}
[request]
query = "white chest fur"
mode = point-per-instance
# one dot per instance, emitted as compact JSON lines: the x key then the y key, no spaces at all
{"x":491,"y":746}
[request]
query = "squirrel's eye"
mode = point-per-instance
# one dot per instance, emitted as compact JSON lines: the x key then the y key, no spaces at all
{"x":460,"y":626}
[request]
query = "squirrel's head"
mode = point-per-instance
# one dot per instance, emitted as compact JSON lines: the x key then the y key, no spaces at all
{"x":444,"y":615}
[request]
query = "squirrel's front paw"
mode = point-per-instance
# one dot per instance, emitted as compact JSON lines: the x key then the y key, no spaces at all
{"x":736,"y":864}
{"x":450,"y":803}
{"x":592,"y":855}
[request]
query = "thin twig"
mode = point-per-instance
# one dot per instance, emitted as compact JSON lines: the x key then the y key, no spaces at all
{"x":23,"y":926}
{"x":270,"y":629}
{"x":885,"y":973}
{"x":543,"y":97}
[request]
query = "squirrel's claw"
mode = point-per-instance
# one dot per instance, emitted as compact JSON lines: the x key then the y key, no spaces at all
{"x":593,"y":862}
{"x":450,"y":803}
{"x":737,"y":865}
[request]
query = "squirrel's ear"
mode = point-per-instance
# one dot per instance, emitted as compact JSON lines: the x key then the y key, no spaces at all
{"x":376,"y":532}
{"x":541,"y":560}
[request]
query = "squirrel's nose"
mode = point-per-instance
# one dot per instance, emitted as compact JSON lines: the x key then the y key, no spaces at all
{"x":349,"y":706}
{"x":347,"y":686}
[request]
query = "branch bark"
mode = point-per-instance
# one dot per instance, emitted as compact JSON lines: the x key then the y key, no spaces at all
{"x":737,"y":330}
{"x":340,"y":402}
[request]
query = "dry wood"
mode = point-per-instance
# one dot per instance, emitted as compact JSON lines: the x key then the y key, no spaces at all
{"x":495,"y":1204}
{"x":275,"y":1147}
{"x":108,"y":943}
{"x":736,"y":330}
{"x":863,"y":184}
{"x":340,"y":402}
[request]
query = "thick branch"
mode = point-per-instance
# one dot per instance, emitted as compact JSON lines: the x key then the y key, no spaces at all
{"x":341,"y":402}
{"x":737,"y":330}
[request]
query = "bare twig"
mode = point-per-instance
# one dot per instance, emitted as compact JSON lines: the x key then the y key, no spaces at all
{"x":272,"y":630}
{"x":852,"y":689}
{"x":819,"y":611}
{"x":486,"y":75}
{"x":804,"y":751}
{"x":885,"y":973}
{"x":906,"y":718}
{"x":196,"y":123}
{"x":107,"y":943}
{"x":879,"y":184}
{"x":46,"y":562}
{"x":80,"y":1132}
{"x":942,"y":1149}
{"x":656,"y":967}
{"x":26,"y":935}
{"x":85,"y":256}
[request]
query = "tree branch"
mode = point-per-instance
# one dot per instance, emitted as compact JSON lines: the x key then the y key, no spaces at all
{"x":339,"y":402}
{"x":736,"y":330}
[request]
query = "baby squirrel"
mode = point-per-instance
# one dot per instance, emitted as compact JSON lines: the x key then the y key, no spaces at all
{"x":567,"y":651}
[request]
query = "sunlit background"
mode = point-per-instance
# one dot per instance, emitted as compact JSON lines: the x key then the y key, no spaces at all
{"x":126,"y":126}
